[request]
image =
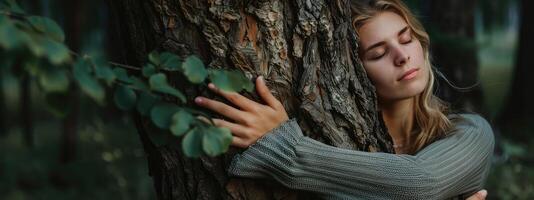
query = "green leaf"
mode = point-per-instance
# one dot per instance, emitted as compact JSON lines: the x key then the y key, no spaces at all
{"x":122,"y":75}
{"x":124,"y":98}
{"x":149,"y":70}
{"x":216,"y":140}
{"x":54,"y":80}
{"x":161,"y":114}
{"x":12,"y":6}
{"x":153,"y":57}
{"x":57,"y":52}
{"x":55,"y":103}
{"x":139,"y":84}
{"x":194,"y":69}
{"x":146,"y":102}
{"x":47,"y":26}
{"x":170,"y":61}
{"x":158,"y":82}
{"x":105,"y":72}
{"x":87,"y":82}
{"x":10,"y":36}
{"x":180,"y":122}
{"x":232,"y":81}
{"x":36,"y":45}
{"x":32,"y":65}
{"x":192,"y":143}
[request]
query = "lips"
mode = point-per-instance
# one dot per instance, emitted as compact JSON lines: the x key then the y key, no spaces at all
{"x":409,"y":74}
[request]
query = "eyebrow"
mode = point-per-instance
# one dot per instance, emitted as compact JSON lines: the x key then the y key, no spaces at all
{"x":403,"y":30}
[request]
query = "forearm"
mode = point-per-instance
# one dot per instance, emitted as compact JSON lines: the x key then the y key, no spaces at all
{"x":302,"y":163}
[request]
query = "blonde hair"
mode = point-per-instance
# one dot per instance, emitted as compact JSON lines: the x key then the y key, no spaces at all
{"x":430,"y":112}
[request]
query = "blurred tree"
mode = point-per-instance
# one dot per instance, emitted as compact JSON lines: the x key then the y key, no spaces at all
{"x":25,"y":108}
{"x":3,"y":110}
{"x":26,"y":115}
{"x":518,"y":113}
{"x":73,"y":32}
{"x":307,"y":52}
{"x":452,"y":22}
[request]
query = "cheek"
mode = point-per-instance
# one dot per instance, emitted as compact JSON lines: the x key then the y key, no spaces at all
{"x":377,"y":73}
{"x":417,"y":53}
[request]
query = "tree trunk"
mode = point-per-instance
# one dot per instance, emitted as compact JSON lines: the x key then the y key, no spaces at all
{"x":26,"y":111}
{"x":306,"y":50}
{"x":70,"y":122}
{"x":518,"y":113}
{"x":3,"y":108}
{"x":452,"y":21}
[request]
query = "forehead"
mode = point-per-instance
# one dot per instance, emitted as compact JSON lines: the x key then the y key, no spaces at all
{"x":381,"y":27}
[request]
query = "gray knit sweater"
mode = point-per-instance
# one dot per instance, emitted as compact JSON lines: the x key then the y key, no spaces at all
{"x":453,"y":166}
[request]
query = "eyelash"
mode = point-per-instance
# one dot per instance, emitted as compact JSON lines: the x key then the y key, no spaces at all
{"x":378,"y":57}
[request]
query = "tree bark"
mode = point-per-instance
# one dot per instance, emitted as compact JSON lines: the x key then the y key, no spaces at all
{"x":307,"y":52}
{"x":518,"y":114}
{"x":453,"y":21}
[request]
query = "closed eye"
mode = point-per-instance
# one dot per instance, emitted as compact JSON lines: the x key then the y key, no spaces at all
{"x":406,"y":37}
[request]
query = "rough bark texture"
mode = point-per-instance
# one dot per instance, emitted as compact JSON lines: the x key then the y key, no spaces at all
{"x":518,"y":113}
{"x":306,"y":50}
{"x":453,"y":21}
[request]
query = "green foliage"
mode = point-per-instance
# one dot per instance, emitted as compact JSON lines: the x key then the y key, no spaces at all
{"x":54,"y":80}
{"x":124,"y":97}
{"x":122,"y":75}
{"x":181,"y":121}
{"x":48,"y":27}
{"x":103,"y":71}
{"x":192,"y":142}
{"x":146,"y":102}
{"x":215,"y":140}
{"x":170,"y":61}
{"x":149,"y":70}
{"x":194,"y":69}
{"x":161,"y":114}
{"x":232,"y":81}
{"x":46,"y":57}
{"x":158,"y":82}
{"x":88,"y":83}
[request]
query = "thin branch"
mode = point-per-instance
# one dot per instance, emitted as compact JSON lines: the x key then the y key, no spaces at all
{"x":129,"y":67}
{"x":124,"y":66}
{"x":15,"y":15}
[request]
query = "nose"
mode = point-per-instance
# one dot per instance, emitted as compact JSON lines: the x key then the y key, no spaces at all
{"x":401,"y":58}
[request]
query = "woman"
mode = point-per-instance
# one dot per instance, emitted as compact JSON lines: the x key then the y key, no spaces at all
{"x":436,"y":158}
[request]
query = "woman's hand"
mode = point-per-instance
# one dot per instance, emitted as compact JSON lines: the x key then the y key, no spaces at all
{"x":252,"y":120}
{"x":480,"y":195}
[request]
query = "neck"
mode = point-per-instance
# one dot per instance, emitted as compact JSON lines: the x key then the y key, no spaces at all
{"x":399,"y":119}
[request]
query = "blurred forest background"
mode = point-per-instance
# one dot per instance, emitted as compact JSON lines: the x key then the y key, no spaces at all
{"x":94,"y":152}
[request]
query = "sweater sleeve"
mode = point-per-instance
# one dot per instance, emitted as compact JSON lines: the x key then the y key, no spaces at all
{"x":455,"y":165}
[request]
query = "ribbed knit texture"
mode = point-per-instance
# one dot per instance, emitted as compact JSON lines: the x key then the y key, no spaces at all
{"x":453,"y":166}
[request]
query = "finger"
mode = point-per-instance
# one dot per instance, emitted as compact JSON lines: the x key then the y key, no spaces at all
{"x":236,"y":129}
{"x":236,"y":98}
{"x":480,"y":195}
{"x":221,"y":108}
{"x":266,"y":94}
{"x":239,"y":142}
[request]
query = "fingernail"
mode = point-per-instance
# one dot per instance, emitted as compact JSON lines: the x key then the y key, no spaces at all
{"x":261,"y":78}
{"x":198,"y":100}
{"x":211,"y":86}
{"x":484,"y":193}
